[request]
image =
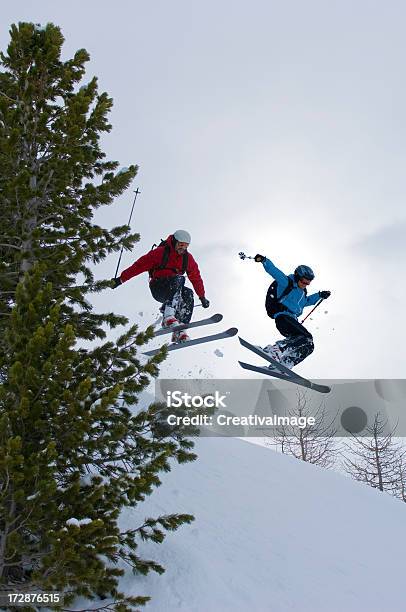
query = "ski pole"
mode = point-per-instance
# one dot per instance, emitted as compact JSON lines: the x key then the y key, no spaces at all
{"x":244,"y":256}
{"x":129,"y":221}
{"x":312,"y":310}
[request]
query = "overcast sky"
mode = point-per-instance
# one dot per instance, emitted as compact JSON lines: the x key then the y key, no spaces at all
{"x":271,"y":127}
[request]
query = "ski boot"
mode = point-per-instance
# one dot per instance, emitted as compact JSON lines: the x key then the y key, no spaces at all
{"x":169,"y":319}
{"x":274,"y":351}
{"x":180,"y":336}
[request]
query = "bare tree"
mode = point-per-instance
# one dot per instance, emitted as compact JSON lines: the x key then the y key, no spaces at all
{"x":378,"y":459}
{"x":400,"y":491}
{"x":311,"y":443}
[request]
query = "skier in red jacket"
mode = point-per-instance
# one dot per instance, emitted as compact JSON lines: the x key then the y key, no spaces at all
{"x":167,"y":265}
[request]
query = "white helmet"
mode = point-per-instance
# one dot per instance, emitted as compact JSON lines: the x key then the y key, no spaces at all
{"x":182,"y":236}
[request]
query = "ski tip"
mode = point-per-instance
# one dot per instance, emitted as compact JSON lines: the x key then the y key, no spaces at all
{"x":233,"y":331}
{"x":320,"y":388}
{"x":247,"y":366}
{"x":216,"y":318}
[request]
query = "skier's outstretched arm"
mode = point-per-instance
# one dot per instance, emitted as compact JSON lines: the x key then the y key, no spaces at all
{"x":143,"y":264}
{"x":273,"y":271}
{"x":312,"y":299}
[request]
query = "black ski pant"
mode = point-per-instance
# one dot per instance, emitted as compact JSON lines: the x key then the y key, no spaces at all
{"x":299,"y":342}
{"x":171,"y":291}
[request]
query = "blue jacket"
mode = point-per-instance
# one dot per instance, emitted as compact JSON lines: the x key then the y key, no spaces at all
{"x":296,"y":299}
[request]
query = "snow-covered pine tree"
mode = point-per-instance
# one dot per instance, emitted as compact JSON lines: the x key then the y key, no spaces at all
{"x":72,"y":455}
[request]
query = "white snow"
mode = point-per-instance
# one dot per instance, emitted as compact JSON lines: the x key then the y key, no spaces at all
{"x":158,"y":320}
{"x":218,"y":353}
{"x":122,"y":170}
{"x":86,"y":479}
{"x":271,"y":534}
{"x":78,"y":522}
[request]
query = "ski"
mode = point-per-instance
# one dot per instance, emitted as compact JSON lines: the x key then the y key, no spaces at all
{"x":278,"y":370}
{"x":216,"y":318}
{"x":303,"y":382}
{"x":265,"y":370}
{"x":229,"y":333}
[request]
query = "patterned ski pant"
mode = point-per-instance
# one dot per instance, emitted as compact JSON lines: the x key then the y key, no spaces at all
{"x":299,"y":342}
{"x":171,"y":291}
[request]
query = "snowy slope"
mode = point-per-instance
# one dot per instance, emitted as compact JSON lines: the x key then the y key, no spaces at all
{"x":272,"y":534}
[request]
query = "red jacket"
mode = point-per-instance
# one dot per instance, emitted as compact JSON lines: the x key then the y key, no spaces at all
{"x":153,"y":259}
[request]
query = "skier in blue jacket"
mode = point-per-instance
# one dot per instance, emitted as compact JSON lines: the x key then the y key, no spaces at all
{"x":285,"y":301}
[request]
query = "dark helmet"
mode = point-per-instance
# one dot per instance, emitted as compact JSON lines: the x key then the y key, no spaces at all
{"x":304,"y":272}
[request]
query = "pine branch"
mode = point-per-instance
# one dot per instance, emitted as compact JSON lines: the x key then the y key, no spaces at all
{"x":2,"y":93}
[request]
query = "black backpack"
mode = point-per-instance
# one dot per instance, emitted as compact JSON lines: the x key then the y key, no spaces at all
{"x":272,"y":302}
{"x":165,"y":257}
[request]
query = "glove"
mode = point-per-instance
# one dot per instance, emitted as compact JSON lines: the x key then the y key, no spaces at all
{"x":259,"y":258}
{"x":324,"y":294}
{"x":115,"y":282}
{"x":205,"y":302}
